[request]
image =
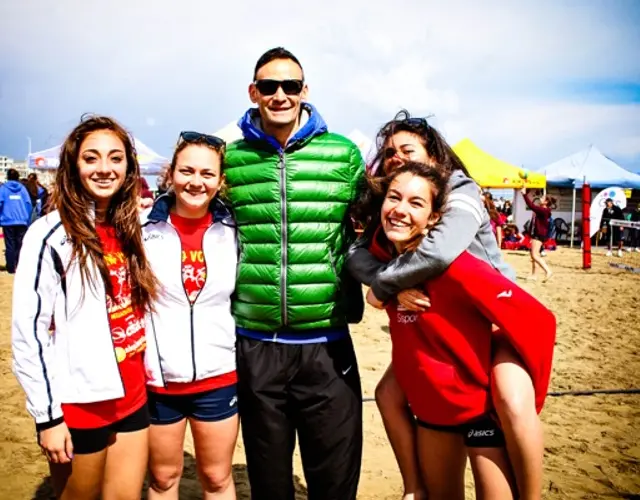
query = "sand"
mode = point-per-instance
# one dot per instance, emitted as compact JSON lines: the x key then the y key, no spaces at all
{"x":592,"y":448}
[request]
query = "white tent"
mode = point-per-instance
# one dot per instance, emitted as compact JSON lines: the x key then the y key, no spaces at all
{"x":230,"y":132}
{"x":150,"y":161}
{"x":592,"y":167}
{"x":363,"y":142}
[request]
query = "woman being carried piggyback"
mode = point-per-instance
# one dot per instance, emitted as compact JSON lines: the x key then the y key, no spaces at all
{"x":85,"y":264}
{"x":442,"y":357}
{"x":463,"y":225}
{"x":190,"y":240}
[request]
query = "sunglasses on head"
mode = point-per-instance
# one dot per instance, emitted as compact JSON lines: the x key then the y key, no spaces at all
{"x":192,"y":137}
{"x":411,"y":122}
{"x":270,"y":87}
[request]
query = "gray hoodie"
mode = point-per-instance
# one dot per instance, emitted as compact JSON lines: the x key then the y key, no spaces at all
{"x":464,"y":225}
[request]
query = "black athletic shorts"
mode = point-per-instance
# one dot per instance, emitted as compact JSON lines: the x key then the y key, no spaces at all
{"x":87,"y":441}
{"x":481,"y":432}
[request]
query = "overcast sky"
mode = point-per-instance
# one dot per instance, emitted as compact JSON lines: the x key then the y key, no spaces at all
{"x":529,"y":82}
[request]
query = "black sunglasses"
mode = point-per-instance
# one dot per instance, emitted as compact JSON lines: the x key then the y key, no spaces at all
{"x":411,"y":122}
{"x":270,"y":87}
{"x":211,"y":140}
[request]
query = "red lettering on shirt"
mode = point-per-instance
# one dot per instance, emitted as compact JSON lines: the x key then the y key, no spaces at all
{"x":128,"y":337}
{"x":194,"y":267}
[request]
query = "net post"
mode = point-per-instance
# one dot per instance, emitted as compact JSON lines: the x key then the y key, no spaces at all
{"x":586,"y":226}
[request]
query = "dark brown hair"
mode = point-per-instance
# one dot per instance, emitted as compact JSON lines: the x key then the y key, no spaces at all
{"x":13,"y":175}
{"x":272,"y":55}
{"x":491,"y":208}
{"x":370,"y":204}
{"x":74,"y":205}
{"x":551,"y":201}
{"x":164,"y":180}
{"x":438,"y":149}
{"x":32,"y":185}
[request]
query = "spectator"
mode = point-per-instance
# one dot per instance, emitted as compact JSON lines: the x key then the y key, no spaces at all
{"x":496,"y":220}
{"x":15,"y":216}
{"x":506,"y":209}
{"x":634,"y":233}
{"x":39,"y":196}
{"x":146,"y":195}
{"x":613,"y":233}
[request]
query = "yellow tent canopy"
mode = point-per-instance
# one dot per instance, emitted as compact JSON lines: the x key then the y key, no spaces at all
{"x":489,"y":172}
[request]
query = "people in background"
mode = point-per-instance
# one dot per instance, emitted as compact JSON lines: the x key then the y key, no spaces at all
{"x":634,"y":233}
{"x":512,"y":234}
{"x":496,"y":218}
{"x":15,"y":217}
{"x":613,"y":234}
{"x":39,"y":196}
{"x":146,"y":195}
{"x":506,"y":209}
{"x":539,"y":232}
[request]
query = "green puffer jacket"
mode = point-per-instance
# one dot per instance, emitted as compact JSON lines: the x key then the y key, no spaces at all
{"x":292,"y":211}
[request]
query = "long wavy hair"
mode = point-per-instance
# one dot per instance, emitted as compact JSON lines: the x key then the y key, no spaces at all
{"x":75,"y":206}
{"x":439,"y":151}
{"x":377,"y":187}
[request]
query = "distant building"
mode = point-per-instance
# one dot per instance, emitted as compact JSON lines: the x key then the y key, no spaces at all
{"x":6,"y":163}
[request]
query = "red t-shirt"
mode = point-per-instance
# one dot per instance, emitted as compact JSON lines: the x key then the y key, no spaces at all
{"x":194,"y":268}
{"x":128,"y":336}
{"x":194,"y":275}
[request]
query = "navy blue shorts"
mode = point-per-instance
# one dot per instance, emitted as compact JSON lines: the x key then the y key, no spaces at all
{"x":482,"y":432}
{"x":211,"y":406}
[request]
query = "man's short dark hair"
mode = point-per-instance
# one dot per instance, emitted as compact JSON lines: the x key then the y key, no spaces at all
{"x":272,"y":55}
{"x":13,"y":175}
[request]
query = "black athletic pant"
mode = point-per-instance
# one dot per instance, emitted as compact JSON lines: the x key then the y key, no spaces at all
{"x":313,"y":389}
{"x":13,"y":236}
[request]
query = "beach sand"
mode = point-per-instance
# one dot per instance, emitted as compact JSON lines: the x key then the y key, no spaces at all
{"x":591,"y":451}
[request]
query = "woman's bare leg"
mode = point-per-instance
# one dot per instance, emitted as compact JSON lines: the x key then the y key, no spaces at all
{"x":401,"y":431}
{"x":442,"y":457}
{"x":514,"y":400}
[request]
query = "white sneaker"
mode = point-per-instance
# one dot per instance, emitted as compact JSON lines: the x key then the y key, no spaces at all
{"x":638,"y":249}
{"x":619,"y":253}
{"x":608,"y":254}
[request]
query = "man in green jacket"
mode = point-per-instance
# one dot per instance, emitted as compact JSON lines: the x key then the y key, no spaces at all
{"x":291,"y":185}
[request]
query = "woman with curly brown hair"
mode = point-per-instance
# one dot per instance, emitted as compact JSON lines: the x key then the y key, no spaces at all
{"x":84,"y":265}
